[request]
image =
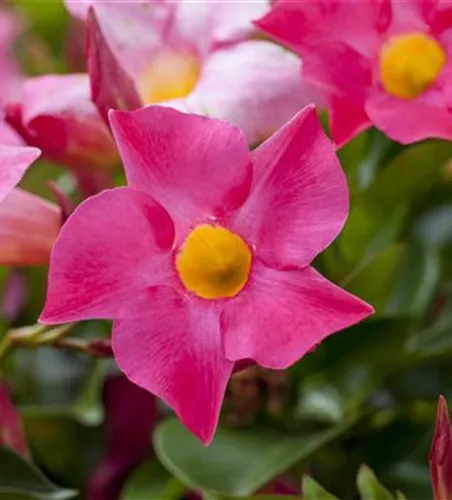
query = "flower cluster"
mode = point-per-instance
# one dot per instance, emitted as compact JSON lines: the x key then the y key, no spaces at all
{"x":203,"y":260}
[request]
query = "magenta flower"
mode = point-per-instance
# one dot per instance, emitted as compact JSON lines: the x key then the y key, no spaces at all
{"x":56,"y":115}
{"x":440,"y":457}
{"x":379,"y":62}
{"x":195,"y":57}
{"x":203,"y":260}
{"x":28,"y":224}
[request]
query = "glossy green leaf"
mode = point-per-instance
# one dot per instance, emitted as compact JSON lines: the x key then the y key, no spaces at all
{"x":313,"y":491}
{"x":21,"y":480}
{"x":369,"y":487}
{"x":152,"y":480}
{"x":238,"y":462}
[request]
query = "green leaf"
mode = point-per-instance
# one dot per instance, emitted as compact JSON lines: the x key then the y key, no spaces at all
{"x":21,"y":480}
{"x":369,"y":487}
{"x":151,"y":480}
{"x":313,"y":491}
{"x":374,"y":280}
{"x":416,"y":281}
{"x":238,"y":462}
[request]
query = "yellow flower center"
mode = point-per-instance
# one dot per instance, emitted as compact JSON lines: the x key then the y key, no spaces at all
{"x":409,"y":64}
{"x":214,"y":263}
{"x":169,"y":76}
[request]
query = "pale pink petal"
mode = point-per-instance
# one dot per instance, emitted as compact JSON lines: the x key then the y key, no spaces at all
{"x":282,"y":315}
{"x":58,"y":115}
{"x":411,"y":15}
{"x":408,"y":121}
{"x":8,"y":135}
{"x":176,"y":353}
{"x":29,"y":226}
{"x":14,"y":162}
{"x":299,"y":199}
{"x":113,"y":246}
{"x":306,"y":25}
{"x":197,"y":168}
{"x":111,"y":86}
{"x":266,"y":92}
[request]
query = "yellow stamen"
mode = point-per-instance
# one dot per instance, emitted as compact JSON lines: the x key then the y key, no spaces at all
{"x":169,"y":76}
{"x":409,"y":64}
{"x":214,"y":263}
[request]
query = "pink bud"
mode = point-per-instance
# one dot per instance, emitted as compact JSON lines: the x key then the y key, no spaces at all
{"x":29,"y":226}
{"x":441,"y":454}
{"x":11,"y":431}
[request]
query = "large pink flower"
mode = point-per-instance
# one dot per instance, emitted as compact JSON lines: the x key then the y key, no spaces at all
{"x":28,"y":224}
{"x":55,"y":114}
{"x":203,"y":260}
{"x":195,"y":57}
{"x":381,"y":62}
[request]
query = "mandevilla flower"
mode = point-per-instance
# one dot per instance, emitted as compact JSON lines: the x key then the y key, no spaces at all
{"x":11,"y":431}
{"x":441,"y":454}
{"x":204,"y":259}
{"x":56,"y":115}
{"x":28,"y":224}
{"x":379,"y":62}
{"x":194,"y":56}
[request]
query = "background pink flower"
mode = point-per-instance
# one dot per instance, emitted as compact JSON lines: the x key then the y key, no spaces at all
{"x":379,"y":62}
{"x":195,"y":57}
{"x":203,"y":260}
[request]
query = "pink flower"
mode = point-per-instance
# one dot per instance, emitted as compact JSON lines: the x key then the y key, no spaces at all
{"x":9,"y":69}
{"x":381,"y":62}
{"x":56,"y":115}
{"x":203,"y":260}
{"x":28,"y":224}
{"x":195,"y":57}
{"x":441,"y":454}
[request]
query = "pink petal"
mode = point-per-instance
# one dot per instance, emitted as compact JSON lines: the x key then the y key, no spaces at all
{"x":194,"y":166}
{"x":29,"y":226}
{"x":345,"y":77}
{"x":282,"y":315}
{"x":299,"y":199}
{"x":8,"y":136}
{"x":408,"y":121}
{"x":176,"y":353}
{"x":59,"y":116}
{"x":347,"y":117}
{"x":113,"y":246}
{"x":261,"y":97}
{"x":111,"y":86}
{"x":14,"y":162}
{"x":306,"y":25}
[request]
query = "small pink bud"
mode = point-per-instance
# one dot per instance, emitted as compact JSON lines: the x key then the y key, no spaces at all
{"x":29,"y":226}
{"x":11,"y":432}
{"x":440,"y":457}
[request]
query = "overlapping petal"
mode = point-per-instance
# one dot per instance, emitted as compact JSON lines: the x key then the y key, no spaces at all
{"x":261,"y":97}
{"x":176,"y":353}
{"x":299,"y":198}
{"x":113,"y":246}
{"x":14,"y":162}
{"x":56,"y":114}
{"x":293,"y":310}
{"x":305,"y":25}
{"x":195,"y":167}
